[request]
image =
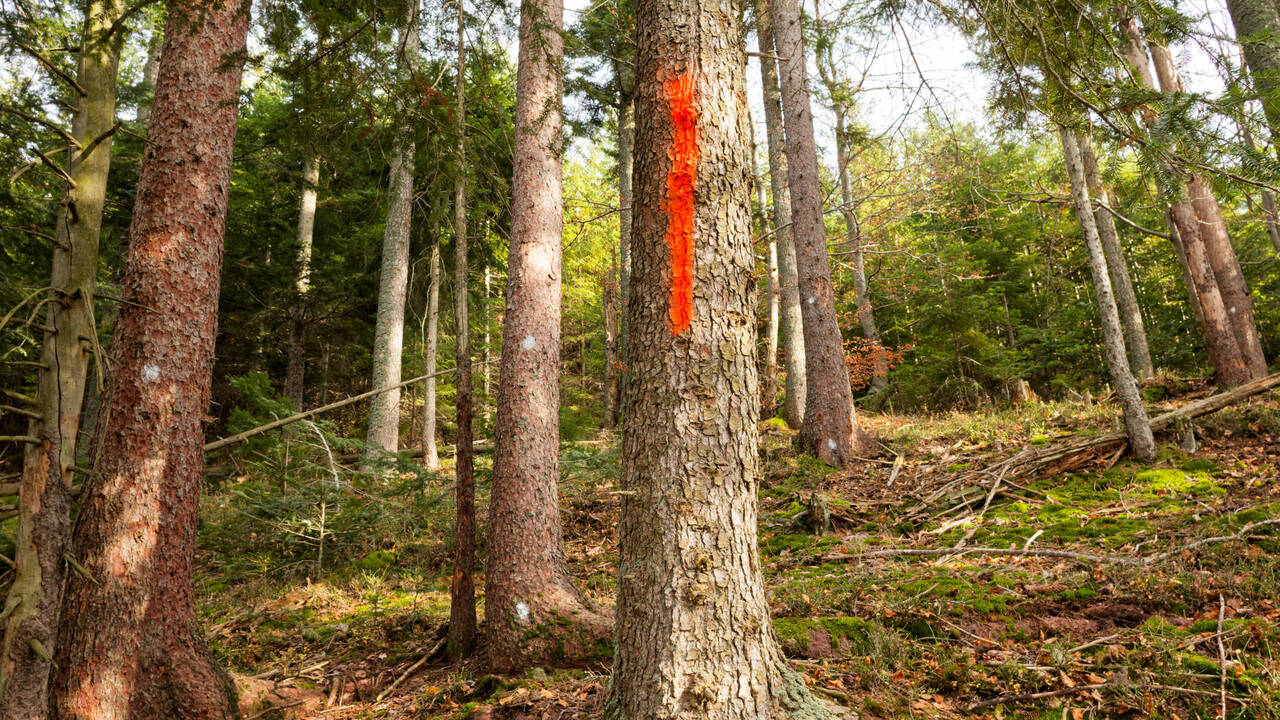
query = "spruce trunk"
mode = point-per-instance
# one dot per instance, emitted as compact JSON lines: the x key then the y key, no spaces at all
{"x":534,"y":615}
{"x":1257,"y":26}
{"x":134,"y":651}
{"x":695,"y":640}
{"x":791,"y":323}
{"x":830,"y":428}
{"x":33,"y":605}
{"x":462,"y":592}
{"x":1138,"y":427}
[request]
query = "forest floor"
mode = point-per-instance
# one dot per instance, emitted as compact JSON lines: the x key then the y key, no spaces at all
{"x":1138,"y":616}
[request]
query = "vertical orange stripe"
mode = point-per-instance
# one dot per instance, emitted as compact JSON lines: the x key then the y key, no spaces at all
{"x":679,"y":201}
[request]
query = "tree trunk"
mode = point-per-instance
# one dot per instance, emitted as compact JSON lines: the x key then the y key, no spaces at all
{"x":626,"y":142}
{"x":1257,"y":26}
{"x":430,"y":455}
{"x":853,"y":232}
{"x":694,"y":635}
{"x":383,"y":435}
{"x":462,"y":608}
{"x":134,"y":650}
{"x":1213,"y":231}
{"x":295,"y":374}
{"x":610,"y":341}
{"x":830,"y":428}
{"x":33,"y":603}
{"x":1215,"y":325}
{"x":533,"y":613}
{"x":149,"y":72}
{"x":769,"y":405}
{"x":1136,"y":423}
{"x":1135,"y":331}
{"x":1269,"y":212}
{"x":791,"y":324}
{"x":488,"y":339}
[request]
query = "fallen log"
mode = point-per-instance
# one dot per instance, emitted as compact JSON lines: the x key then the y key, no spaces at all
{"x":1073,"y":454}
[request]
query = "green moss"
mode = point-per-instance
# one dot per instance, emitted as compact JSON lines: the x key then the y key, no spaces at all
{"x":378,"y":560}
{"x":781,"y":544}
{"x":1040,"y":439}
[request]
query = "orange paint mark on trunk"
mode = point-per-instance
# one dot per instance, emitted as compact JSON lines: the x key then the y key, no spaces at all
{"x":678,"y":205}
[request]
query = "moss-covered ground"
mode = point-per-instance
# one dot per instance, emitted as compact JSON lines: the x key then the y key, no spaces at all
{"x":318,"y":594}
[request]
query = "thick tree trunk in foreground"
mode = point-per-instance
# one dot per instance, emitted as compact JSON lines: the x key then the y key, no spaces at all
{"x":134,"y":650}
{"x":383,"y":435}
{"x":533,"y":613}
{"x":830,"y":428}
{"x":695,"y":641}
{"x":295,"y":373}
{"x":1213,"y":231}
{"x":791,"y":324}
{"x":431,"y":455}
{"x":1135,"y":331}
{"x":462,"y":592}
{"x":1257,"y":26}
{"x":1138,"y":427}
{"x":32,"y":606}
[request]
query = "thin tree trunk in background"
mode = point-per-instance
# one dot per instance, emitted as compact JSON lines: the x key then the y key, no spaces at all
{"x":430,"y":454}
{"x":295,"y":374}
{"x":1213,"y":230}
{"x":841,"y":96}
{"x":488,"y":341}
{"x":769,"y":404}
{"x":1135,"y":331}
{"x":1257,"y":26}
{"x":135,"y":651}
{"x":791,"y":323}
{"x":610,"y":298}
{"x":830,"y":430}
{"x":533,"y":612}
{"x":1269,"y":216}
{"x":462,"y":593}
{"x":853,"y":232}
{"x":694,"y":635}
{"x":1219,"y":336}
{"x":150,"y":70}
{"x":383,"y":435}
{"x":626,"y":142}
{"x":33,"y":604}
{"x":1138,"y":427}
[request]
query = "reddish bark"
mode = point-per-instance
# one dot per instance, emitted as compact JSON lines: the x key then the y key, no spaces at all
{"x":131,"y":648}
{"x":533,"y":613}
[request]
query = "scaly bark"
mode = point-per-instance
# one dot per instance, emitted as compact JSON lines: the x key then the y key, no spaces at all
{"x":769,"y":404}
{"x":1138,"y":427}
{"x":1135,"y":331}
{"x":1213,"y":231}
{"x":533,"y":613}
{"x":1189,"y":246}
{"x":295,"y":373}
{"x":830,"y":428}
{"x":383,"y":435}
{"x":33,"y":605}
{"x":462,"y":607}
{"x":695,"y":641}
{"x":791,"y":323}
{"x":626,"y":143}
{"x":134,"y":651}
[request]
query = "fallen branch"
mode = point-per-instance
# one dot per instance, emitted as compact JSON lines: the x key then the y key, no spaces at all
{"x":412,"y":669}
{"x":239,"y":437}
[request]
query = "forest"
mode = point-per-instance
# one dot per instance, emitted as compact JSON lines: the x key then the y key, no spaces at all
{"x":639,"y":359}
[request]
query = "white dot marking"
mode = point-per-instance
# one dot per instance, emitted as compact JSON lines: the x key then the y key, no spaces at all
{"x":528,"y":342}
{"x":150,"y":373}
{"x":522,"y":611}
